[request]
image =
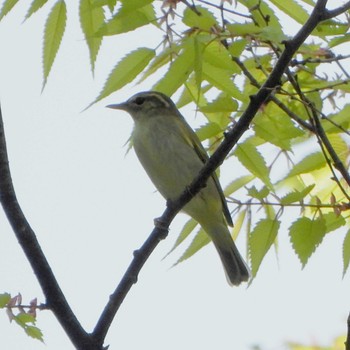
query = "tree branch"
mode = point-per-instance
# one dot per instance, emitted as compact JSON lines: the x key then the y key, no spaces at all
{"x":55,"y":298}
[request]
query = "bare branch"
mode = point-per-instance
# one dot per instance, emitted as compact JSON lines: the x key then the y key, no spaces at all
{"x":55,"y":298}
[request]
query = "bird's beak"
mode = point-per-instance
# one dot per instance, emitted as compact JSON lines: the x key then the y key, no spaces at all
{"x":122,"y":106}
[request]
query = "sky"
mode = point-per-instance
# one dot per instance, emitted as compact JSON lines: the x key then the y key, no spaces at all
{"x":91,"y":206}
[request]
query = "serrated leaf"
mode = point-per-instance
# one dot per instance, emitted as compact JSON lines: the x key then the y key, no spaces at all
{"x":221,"y":79}
{"x":260,"y":241}
{"x":218,"y":56}
{"x":293,"y":10}
{"x":237,"y":47}
{"x":91,"y":19}
{"x":333,"y":221}
{"x":126,"y":20}
{"x":7,"y":7}
{"x":160,"y":60}
{"x":276,"y":128}
{"x":335,"y":122}
{"x":346,"y":252}
{"x":306,"y":235}
{"x":132,"y":5}
{"x":203,"y":21}
{"x":200,"y":240}
{"x":53,"y":33}
{"x":178,"y":71}
{"x":208,"y":130}
{"x":237,"y":184}
{"x":34,"y":332}
{"x":23,"y":318}
{"x":221,"y":104}
{"x":4,"y":299}
{"x":253,"y":161}
{"x":188,"y":228}
{"x":238,"y":224}
{"x":35,"y":6}
{"x":296,"y":196}
{"x":126,"y":71}
{"x":258,"y":194}
{"x":310,"y":163}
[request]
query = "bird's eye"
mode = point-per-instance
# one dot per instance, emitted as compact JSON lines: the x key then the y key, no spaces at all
{"x":139,"y":101}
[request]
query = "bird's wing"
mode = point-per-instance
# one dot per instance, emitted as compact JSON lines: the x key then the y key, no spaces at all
{"x":192,"y":139}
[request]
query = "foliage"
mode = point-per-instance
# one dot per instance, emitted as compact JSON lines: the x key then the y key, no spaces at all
{"x":217,"y":56}
{"x":25,"y":319}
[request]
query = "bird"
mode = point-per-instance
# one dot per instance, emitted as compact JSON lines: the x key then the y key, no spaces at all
{"x":172,"y":156}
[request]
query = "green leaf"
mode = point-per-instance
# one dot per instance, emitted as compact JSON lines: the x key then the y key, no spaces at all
{"x":293,"y":10}
{"x":35,"y":6}
{"x":253,"y":161}
{"x":333,"y":221}
{"x":296,"y":196}
{"x":178,"y":71}
{"x":346,"y":252}
{"x":91,"y":19}
{"x":310,"y":163}
{"x":23,"y":318}
{"x":222,"y":104}
{"x":260,"y":241}
{"x":237,"y":47}
{"x":238,"y":224}
{"x":4,"y":299}
{"x":237,"y":184}
{"x":53,"y":33}
{"x":306,"y":235}
{"x":203,"y":21}
{"x":258,"y":194}
{"x":218,"y":56}
{"x":188,"y":228}
{"x":34,"y":332}
{"x":160,"y":60}
{"x":221,"y":79}
{"x":276,"y":128}
{"x":208,"y":130}
{"x":127,"y":20}
{"x":335,"y":122}
{"x":7,"y":6}
{"x":126,"y":71}
{"x":199,"y":241}
{"x":132,"y":5}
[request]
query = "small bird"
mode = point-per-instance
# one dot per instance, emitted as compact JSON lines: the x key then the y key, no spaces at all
{"x":172,"y":155}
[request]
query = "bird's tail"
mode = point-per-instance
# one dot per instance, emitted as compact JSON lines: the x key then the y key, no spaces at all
{"x":235,"y":267}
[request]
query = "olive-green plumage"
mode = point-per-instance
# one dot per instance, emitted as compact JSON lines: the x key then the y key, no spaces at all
{"x":172,"y":155}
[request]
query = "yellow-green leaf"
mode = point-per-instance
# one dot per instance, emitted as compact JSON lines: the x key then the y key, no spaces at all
{"x":253,"y":161}
{"x":34,"y":332}
{"x":205,"y":20}
{"x":296,"y":196}
{"x":221,"y":79}
{"x":54,"y":30}
{"x":238,"y":184}
{"x":200,"y":240}
{"x":7,"y":7}
{"x":188,"y":228}
{"x":4,"y":299}
{"x":346,"y":252}
{"x":35,"y":6}
{"x":306,"y":235}
{"x":178,"y":71}
{"x":293,"y":10}
{"x":126,"y":71}
{"x":260,"y":241}
{"x":91,"y":19}
{"x":333,"y":221}
{"x":310,"y":163}
{"x":126,"y":20}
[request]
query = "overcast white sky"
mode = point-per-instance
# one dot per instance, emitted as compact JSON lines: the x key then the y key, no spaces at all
{"x":91,"y":206}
